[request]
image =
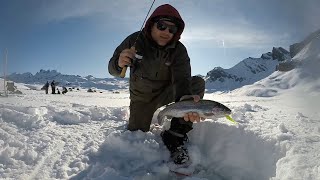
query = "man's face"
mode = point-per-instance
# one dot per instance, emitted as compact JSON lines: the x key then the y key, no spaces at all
{"x":162,"y":32}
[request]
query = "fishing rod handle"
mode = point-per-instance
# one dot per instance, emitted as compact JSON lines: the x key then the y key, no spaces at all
{"x":124,"y":69}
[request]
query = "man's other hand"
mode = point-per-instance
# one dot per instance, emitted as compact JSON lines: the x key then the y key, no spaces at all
{"x":192,"y":116}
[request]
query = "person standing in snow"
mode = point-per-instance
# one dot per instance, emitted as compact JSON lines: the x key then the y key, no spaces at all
{"x":163,"y":75}
{"x":46,"y":87}
{"x":53,"y":87}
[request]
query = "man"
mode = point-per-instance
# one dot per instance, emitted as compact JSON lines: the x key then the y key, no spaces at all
{"x":53,"y":87}
{"x":163,"y":75}
{"x":46,"y":87}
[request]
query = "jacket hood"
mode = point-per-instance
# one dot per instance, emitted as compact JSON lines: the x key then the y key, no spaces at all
{"x":165,"y":11}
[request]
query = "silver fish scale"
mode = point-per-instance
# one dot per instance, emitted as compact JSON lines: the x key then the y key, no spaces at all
{"x":205,"y":108}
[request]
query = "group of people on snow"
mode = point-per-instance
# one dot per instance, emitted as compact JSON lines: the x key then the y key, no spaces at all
{"x":53,"y":88}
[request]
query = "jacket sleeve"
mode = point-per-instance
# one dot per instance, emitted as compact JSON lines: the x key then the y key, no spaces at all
{"x":181,"y":72}
{"x":113,"y":67}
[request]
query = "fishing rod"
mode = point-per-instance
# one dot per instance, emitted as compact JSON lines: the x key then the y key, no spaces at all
{"x":124,"y":69}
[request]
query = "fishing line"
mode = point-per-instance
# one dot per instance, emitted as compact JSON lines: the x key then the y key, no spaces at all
{"x":124,"y":69}
{"x":143,"y":23}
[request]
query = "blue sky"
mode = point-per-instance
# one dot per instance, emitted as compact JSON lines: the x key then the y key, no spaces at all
{"x":79,"y":36}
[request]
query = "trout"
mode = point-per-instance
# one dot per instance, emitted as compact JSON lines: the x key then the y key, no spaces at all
{"x":205,"y":108}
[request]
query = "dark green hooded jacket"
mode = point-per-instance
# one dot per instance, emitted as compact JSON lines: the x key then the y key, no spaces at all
{"x":162,"y":69}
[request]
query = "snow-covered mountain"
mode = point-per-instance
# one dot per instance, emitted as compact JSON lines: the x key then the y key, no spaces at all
{"x":89,"y":81}
{"x":304,"y":78}
{"x":246,"y":72}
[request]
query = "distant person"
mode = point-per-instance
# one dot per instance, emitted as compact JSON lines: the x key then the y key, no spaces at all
{"x":46,"y":87}
{"x":53,"y":87}
{"x":64,"y":90}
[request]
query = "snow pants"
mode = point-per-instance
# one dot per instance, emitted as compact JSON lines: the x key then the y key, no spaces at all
{"x":141,"y":113}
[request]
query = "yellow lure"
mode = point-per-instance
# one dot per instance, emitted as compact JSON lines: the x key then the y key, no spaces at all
{"x":230,"y":119}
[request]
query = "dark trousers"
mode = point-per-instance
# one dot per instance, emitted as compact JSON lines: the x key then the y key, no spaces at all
{"x":53,"y":89}
{"x":141,"y":113}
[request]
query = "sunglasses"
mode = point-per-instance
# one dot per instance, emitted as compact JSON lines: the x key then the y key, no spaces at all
{"x":163,"y":26}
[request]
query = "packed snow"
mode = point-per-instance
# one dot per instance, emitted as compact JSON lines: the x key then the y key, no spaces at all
{"x":82,"y":135}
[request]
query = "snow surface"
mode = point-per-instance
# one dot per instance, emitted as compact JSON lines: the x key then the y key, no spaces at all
{"x":82,"y":135}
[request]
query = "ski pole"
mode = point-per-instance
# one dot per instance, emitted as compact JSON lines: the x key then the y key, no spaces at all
{"x":124,"y":69}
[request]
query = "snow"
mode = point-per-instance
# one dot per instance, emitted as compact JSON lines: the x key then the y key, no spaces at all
{"x":83,"y":135}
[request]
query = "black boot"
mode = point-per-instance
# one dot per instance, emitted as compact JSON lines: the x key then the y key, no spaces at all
{"x":175,"y":139}
{"x":175,"y":144}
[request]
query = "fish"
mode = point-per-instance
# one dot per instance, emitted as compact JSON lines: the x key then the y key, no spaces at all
{"x":205,"y":108}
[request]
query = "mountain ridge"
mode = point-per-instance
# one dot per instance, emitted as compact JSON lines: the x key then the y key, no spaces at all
{"x":225,"y":79}
{"x":247,"y":71}
{"x":89,"y":81}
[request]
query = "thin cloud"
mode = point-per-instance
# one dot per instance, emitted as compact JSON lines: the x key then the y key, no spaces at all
{"x":206,"y":20}
{"x":62,"y":10}
{"x":233,"y":36}
{"x":226,"y":24}
{"x":249,"y":23}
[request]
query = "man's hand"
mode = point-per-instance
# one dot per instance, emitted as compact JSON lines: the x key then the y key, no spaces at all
{"x":192,"y":116}
{"x":126,"y":56}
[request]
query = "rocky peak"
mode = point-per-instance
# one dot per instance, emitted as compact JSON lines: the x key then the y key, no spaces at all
{"x":47,"y":73}
{"x":266,"y":56}
{"x":280,"y":54}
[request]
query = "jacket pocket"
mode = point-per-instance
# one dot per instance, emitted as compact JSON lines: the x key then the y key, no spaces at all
{"x":140,"y":89}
